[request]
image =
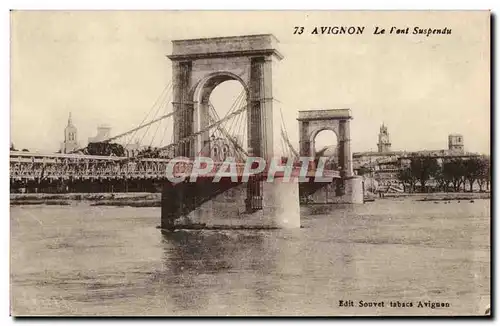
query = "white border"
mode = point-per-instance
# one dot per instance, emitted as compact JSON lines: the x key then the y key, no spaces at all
{"x":254,"y":5}
{"x":179,"y":5}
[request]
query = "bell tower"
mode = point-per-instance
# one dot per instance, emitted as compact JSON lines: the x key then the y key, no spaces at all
{"x":384,"y":142}
{"x":70,"y":137}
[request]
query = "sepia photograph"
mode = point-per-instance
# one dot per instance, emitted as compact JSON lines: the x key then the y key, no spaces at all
{"x":250,"y":163}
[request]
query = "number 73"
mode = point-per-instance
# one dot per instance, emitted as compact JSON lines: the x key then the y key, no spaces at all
{"x":298,"y":30}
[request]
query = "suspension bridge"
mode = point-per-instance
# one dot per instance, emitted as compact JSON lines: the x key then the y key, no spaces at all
{"x":184,"y":123}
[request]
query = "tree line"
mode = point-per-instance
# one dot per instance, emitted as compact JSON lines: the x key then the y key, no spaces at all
{"x":114,"y":149}
{"x":452,"y":174}
{"x":109,"y":149}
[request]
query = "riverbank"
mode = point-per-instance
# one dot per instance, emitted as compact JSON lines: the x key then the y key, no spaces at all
{"x":139,"y":199}
{"x":439,"y":196}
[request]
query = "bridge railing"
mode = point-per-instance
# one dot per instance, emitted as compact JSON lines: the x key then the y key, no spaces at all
{"x":33,"y":165}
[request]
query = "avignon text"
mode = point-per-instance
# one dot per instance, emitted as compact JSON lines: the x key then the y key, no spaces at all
{"x":377,"y":30}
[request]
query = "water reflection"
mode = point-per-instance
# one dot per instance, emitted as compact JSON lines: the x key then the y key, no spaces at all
{"x":205,"y":270}
{"x":194,"y":261}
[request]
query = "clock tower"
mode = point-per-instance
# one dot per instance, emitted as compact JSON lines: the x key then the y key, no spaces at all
{"x":70,"y":143}
{"x":384,"y":142}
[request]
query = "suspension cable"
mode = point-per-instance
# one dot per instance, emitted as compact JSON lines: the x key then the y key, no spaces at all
{"x":196,"y":134}
{"x":149,"y":126}
{"x":284,"y":134}
{"x":158,"y":125}
{"x":140,"y":125}
{"x":226,"y":134}
{"x":157,"y":101}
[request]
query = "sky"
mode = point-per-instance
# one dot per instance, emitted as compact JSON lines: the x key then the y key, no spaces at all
{"x":109,"y":68}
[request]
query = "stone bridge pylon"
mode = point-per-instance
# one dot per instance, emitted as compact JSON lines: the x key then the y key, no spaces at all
{"x":198,"y":67}
{"x":347,"y":189}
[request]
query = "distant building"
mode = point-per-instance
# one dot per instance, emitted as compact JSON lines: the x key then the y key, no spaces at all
{"x":384,"y":142}
{"x":70,"y":143}
{"x":384,"y":165}
{"x":456,"y":143}
{"x":103,"y":133}
{"x":136,"y":149}
{"x":132,"y":149}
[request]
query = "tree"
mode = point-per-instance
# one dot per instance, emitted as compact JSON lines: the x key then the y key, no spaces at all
{"x":12,"y":148}
{"x":117,"y":150}
{"x":488,"y":176}
{"x":441,"y":179}
{"x":484,"y":172}
{"x":105,"y":149}
{"x":407,"y":178}
{"x":423,"y":168}
{"x":149,"y":152}
{"x":472,"y":171}
{"x":454,"y":171}
{"x":363,"y":170}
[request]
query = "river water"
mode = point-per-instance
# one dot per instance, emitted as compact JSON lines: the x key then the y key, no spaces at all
{"x":84,"y":260}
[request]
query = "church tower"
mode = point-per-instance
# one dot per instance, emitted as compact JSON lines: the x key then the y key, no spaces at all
{"x":70,"y":140}
{"x":456,"y":144}
{"x":384,"y":142}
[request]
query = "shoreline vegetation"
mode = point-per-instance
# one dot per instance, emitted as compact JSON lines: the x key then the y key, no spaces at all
{"x":438,"y":196}
{"x":154,"y":199}
{"x":139,"y":199}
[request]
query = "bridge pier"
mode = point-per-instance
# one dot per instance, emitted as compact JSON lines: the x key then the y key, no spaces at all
{"x":353,"y":190}
{"x":281,"y":203}
{"x":228,"y":207}
{"x":347,"y":190}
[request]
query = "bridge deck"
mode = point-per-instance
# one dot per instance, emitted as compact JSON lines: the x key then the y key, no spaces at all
{"x":36,"y":166}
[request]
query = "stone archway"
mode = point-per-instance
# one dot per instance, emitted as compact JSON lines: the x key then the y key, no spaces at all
{"x":333,"y":139}
{"x":350,"y":188}
{"x":313,"y":122}
{"x":199,"y":65}
{"x":201,"y":109}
